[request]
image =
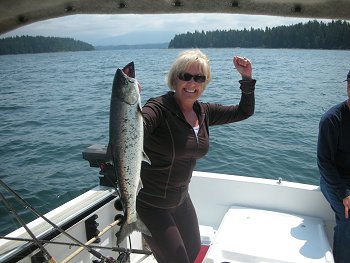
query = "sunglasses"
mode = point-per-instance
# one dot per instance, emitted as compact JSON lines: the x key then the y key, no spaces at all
{"x":184,"y":76}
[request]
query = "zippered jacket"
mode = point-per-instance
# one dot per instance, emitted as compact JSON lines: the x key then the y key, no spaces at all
{"x":173,"y":147}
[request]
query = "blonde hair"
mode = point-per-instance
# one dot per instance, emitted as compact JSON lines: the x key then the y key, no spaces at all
{"x":184,"y":61}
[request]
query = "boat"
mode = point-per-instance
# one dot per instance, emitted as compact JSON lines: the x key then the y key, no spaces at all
{"x":242,"y":218}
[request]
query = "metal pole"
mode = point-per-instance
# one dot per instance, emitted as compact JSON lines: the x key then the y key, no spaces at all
{"x":117,"y":249}
{"x":75,"y":253}
{"x":26,"y":204}
{"x":48,"y":257}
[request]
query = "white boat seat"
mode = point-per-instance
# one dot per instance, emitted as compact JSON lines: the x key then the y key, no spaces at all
{"x":207,"y":234}
{"x":254,"y":235}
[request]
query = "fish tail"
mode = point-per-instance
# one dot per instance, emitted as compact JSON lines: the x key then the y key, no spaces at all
{"x":127,"y":229}
{"x":141,"y":227}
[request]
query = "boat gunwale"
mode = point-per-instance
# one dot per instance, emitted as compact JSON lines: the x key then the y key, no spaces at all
{"x":64,"y":216}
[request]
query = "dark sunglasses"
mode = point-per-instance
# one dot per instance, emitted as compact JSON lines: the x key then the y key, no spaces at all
{"x":184,"y":76}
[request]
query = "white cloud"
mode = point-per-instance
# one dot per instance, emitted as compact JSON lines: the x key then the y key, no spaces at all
{"x":94,"y":28}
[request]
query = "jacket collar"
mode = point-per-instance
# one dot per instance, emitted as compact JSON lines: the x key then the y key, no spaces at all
{"x":168,"y":101}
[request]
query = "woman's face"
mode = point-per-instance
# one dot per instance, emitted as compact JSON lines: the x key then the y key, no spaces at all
{"x":189,"y":91}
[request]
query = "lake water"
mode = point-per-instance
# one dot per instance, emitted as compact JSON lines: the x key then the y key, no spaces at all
{"x":53,"y":106}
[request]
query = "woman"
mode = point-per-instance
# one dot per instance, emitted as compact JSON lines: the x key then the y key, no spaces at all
{"x":176,"y":134}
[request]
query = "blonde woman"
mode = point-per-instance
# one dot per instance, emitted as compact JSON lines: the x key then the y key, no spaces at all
{"x":176,"y":129}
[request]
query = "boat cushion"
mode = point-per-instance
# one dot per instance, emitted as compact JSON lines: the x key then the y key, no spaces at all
{"x":254,"y":235}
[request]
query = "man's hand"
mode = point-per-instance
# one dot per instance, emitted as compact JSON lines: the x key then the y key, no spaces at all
{"x":346,"y":203}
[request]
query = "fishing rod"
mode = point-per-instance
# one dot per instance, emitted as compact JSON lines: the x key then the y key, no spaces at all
{"x":116,"y":249}
{"x":27,"y":205}
{"x":46,"y":253}
{"x":80,"y":249}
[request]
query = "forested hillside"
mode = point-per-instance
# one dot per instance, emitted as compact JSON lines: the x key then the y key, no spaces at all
{"x":311,"y":35}
{"x":40,"y":44}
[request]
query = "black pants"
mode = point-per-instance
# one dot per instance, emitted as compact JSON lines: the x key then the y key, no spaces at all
{"x":175,"y":232}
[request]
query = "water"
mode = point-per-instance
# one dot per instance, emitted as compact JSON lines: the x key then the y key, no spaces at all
{"x":53,"y":106}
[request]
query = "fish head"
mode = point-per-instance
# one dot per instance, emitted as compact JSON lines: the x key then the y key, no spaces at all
{"x":129,"y":70}
{"x":125,"y":86}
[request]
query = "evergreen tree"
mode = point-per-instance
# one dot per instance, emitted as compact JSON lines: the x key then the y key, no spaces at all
{"x":40,"y":44}
{"x":313,"y":34}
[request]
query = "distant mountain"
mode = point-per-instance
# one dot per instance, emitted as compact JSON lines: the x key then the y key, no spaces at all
{"x":135,"y":38}
{"x":139,"y":46}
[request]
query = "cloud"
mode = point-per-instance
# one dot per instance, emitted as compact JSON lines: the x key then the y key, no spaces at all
{"x":95,"y":28}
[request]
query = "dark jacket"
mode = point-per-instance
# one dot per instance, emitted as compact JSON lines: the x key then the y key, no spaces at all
{"x":173,"y":147}
{"x":333,"y":149}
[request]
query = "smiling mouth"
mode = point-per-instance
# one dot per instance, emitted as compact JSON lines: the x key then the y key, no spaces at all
{"x":190,"y":91}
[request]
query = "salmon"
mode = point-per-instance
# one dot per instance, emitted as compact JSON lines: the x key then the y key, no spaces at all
{"x":125,"y":147}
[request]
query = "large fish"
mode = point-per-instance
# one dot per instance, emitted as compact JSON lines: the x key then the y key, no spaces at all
{"x":125,"y":147}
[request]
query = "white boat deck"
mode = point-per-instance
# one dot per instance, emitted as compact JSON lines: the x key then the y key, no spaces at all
{"x":255,"y":235}
{"x":243,"y":219}
{"x":263,"y":236}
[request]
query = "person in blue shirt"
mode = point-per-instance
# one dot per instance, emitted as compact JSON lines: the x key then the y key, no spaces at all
{"x":333,"y":160}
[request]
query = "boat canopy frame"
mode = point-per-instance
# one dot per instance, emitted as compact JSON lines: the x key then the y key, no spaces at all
{"x":18,"y":13}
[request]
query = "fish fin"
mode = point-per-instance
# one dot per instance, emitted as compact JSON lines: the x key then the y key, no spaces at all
{"x":139,"y":105}
{"x":145,"y":158}
{"x":141,"y":227}
{"x":127,"y":229}
{"x":140,"y":186}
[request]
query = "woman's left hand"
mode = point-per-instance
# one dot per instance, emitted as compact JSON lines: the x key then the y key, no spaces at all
{"x":243,"y":66}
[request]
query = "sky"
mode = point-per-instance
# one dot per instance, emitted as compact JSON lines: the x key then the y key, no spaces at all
{"x":145,"y":29}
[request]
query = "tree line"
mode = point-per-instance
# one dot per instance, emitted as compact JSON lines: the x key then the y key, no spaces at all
{"x":40,"y":44}
{"x":311,"y":35}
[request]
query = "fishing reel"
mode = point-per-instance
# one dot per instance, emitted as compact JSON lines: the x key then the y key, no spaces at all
{"x":122,"y":258}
